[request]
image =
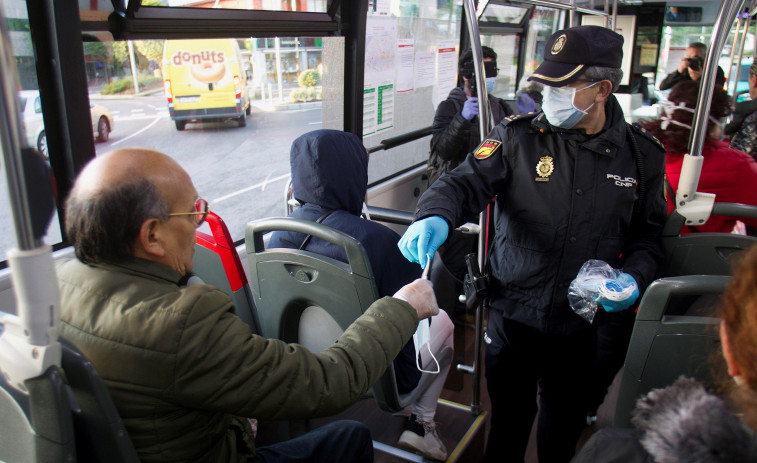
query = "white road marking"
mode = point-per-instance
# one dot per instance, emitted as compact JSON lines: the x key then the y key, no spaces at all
{"x":314,"y":123}
{"x":260,"y":185}
{"x":137,"y":132}
{"x":139,"y":110}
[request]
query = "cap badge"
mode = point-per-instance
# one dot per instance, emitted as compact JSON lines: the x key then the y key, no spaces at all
{"x":544,"y":168}
{"x":559,"y":44}
{"x":486,"y":148}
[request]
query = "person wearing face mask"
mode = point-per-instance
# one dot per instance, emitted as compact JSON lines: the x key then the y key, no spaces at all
{"x":455,"y":133}
{"x":572,"y":183}
{"x":726,"y":172}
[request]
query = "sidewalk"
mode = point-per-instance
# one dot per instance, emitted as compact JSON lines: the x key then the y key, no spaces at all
{"x":124,"y":96}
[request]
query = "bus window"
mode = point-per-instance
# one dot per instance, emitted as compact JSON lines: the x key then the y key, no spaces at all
{"x":226,"y":109}
{"x":506,"y":47}
{"x":544,"y":22}
{"x":402,"y":97}
{"x":30,"y":107}
{"x":313,"y":6}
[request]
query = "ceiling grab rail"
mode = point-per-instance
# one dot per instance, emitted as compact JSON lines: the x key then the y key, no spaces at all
{"x":29,"y":341}
{"x":696,"y":207}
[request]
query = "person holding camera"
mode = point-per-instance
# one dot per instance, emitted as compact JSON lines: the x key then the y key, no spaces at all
{"x":690,"y":68}
{"x":455,"y":131}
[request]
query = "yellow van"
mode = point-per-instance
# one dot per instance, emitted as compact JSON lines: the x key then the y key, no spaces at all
{"x":204,"y":80}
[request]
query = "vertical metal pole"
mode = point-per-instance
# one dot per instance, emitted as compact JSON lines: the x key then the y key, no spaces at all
{"x":726,"y":16}
{"x":573,"y":17}
{"x":738,"y":63}
{"x":614,"y":14}
{"x":277,"y":43}
{"x":133,"y":63}
{"x":11,"y":143}
{"x":484,"y":127}
{"x":733,"y":54}
{"x":608,"y":24}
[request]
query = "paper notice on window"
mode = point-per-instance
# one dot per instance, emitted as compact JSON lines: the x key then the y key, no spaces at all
{"x":404,"y":67}
{"x":648,"y":54}
{"x":446,"y":70}
{"x":380,"y":49}
{"x":370,"y":95}
{"x":378,"y":7}
{"x":425,"y":63}
{"x":378,"y":108}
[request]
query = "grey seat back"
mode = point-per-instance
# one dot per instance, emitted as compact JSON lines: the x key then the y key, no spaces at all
{"x":705,"y":253}
{"x":663,"y":346}
{"x":100,"y":433}
{"x":36,"y":426}
{"x":303,"y":296}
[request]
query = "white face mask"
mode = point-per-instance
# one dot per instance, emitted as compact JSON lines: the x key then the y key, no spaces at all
{"x":491,"y":82}
{"x":669,"y":108}
{"x":421,"y":338}
{"x":559,"y":108}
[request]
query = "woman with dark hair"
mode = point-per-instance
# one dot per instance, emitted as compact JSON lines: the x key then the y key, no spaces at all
{"x":728,"y":173}
{"x":686,"y":423}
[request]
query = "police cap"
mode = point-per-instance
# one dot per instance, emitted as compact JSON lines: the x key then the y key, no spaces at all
{"x":569,"y":52}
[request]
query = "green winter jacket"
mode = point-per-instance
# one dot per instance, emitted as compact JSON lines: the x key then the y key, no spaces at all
{"x":183,"y":369}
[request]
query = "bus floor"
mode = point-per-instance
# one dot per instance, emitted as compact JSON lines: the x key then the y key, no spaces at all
{"x":463,"y":433}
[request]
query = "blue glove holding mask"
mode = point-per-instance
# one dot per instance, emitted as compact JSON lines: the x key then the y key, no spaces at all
{"x":470,"y":108}
{"x":422,"y":238}
{"x":619,"y":294}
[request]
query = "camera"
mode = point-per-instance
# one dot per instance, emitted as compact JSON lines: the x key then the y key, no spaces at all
{"x":696,"y":63}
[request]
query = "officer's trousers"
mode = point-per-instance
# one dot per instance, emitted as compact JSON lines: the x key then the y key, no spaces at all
{"x":518,"y":358}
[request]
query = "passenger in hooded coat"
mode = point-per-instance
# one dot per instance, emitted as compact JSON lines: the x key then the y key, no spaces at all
{"x":330,"y":181}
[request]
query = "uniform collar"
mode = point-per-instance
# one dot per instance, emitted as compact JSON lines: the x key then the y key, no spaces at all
{"x":607,"y":142}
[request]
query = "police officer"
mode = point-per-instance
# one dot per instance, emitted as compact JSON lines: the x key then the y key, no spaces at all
{"x":573,"y":183}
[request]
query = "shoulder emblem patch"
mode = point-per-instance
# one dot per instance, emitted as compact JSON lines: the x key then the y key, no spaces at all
{"x":486,"y":148}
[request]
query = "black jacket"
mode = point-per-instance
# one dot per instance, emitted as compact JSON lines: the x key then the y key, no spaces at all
{"x":330,"y":174}
{"x":674,"y":77}
{"x":562,"y":198}
{"x":453,"y":136}
{"x":681,"y":423}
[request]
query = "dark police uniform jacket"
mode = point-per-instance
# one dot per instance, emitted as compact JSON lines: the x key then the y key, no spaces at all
{"x":563,"y":198}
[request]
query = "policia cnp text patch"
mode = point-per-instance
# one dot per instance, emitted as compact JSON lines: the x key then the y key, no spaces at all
{"x":487,"y":148}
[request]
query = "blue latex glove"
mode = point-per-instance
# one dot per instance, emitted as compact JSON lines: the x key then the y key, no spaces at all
{"x":470,"y":108}
{"x":422,"y":238}
{"x":623,"y":281}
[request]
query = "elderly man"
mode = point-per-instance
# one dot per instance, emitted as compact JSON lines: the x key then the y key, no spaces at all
{"x":573,"y":183}
{"x":181,"y":367}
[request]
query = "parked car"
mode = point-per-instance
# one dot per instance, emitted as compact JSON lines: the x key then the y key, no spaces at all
{"x":31,"y":111}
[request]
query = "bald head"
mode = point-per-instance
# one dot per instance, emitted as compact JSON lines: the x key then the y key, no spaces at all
{"x":115,"y":195}
{"x":130,"y":165}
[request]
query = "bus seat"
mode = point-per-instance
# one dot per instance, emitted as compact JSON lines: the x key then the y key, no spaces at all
{"x":663,"y":346}
{"x":704,"y":253}
{"x":295,"y":291}
{"x":217,"y":263}
{"x":100,"y":433}
{"x":36,"y":426}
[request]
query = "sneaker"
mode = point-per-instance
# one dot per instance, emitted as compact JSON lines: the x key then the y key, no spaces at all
{"x":421,"y":437}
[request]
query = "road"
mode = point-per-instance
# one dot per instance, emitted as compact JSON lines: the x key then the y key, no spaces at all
{"x":241,"y":171}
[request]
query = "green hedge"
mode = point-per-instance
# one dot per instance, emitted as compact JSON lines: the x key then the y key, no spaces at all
{"x":126,"y":84}
{"x":309,"y":78}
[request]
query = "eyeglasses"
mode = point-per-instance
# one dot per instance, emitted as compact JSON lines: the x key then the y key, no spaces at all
{"x":200,"y":212}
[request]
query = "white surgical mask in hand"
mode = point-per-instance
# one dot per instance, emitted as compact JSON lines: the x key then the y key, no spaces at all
{"x":421,"y":338}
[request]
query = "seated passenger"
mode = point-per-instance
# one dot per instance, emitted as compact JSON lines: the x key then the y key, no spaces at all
{"x":684,"y":422}
{"x":743,"y":128}
{"x":330,"y":180}
{"x":182,"y":369}
{"x":728,"y":173}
